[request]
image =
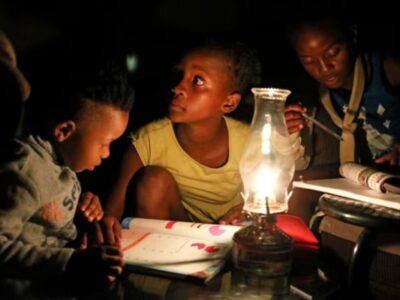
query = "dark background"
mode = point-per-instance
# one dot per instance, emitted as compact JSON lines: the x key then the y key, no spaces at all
{"x":52,"y":38}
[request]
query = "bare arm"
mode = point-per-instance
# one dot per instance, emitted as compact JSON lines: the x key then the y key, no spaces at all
{"x":130,"y":164}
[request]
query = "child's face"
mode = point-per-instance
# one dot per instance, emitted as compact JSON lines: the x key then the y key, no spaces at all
{"x":204,"y":88}
{"x":325,"y":56}
{"x":90,"y":136}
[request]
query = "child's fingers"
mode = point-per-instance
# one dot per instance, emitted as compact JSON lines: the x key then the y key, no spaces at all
{"x":114,"y":263}
{"x":383,"y":158}
{"x":290,"y":115}
{"x":113,"y":251}
{"x":113,"y":260}
{"x":98,"y":234}
{"x":111,"y":229}
{"x":294,"y":121}
{"x":232,"y":217}
{"x":84,"y":241}
{"x":99,"y":215}
{"x":296,"y":108}
{"x":109,"y":234}
{"x":294,"y":125}
{"x":115,"y":270}
{"x":236,"y":218}
{"x":111,"y":278}
{"x":113,"y":273}
{"x":92,"y":208}
{"x":85,"y":200}
{"x":94,"y":212}
{"x":117,"y":233}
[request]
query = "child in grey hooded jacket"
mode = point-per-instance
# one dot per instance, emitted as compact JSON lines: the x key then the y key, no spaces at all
{"x":39,"y":190}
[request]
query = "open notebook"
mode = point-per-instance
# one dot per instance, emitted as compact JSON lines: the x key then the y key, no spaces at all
{"x":192,"y":250}
{"x":177,"y":249}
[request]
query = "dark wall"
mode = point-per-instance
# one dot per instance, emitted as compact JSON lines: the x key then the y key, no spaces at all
{"x":53,"y":38}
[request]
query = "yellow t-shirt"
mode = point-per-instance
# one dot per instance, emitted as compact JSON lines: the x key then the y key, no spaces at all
{"x":206,"y":193}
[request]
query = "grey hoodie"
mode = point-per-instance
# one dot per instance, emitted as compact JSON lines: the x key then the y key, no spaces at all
{"x":38,"y":200}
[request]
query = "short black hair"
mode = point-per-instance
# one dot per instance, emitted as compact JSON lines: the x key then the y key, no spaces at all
{"x":340,"y":26}
{"x":317,"y":16}
{"x":108,"y":86}
{"x":67,"y":91}
{"x":243,"y":62}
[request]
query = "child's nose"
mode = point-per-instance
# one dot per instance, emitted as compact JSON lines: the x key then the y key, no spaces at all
{"x":325,"y":66}
{"x":178,"y":89}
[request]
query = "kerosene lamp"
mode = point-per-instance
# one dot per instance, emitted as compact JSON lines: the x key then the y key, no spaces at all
{"x":266,"y":168}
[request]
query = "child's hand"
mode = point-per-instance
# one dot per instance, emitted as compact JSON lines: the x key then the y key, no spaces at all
{"x":90,"y":207}
{"x":234,"y":216}
{"x":106,"y":231}
{"x":100,"y":264}
{"x":293,"y":117}
{"x":392,"y":157}
{"x":111,"y":229}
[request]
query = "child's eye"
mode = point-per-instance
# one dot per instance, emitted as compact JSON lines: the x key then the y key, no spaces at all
{"x":197,"y":80}
{"x":307,"y":61}
{"x":333,"y":52}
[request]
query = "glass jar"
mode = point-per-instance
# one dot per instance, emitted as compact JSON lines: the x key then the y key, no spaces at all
{"x":267,"y":162}
{"x":266,"y":168}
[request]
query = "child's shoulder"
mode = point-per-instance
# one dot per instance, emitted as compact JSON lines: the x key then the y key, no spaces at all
{"x":34,"y":167}
{"x":23,"y":165}
{"x":237,"y":126}
{"x":160,"y":126}
{"x":21,"y":156}
{"x":32,"y":159}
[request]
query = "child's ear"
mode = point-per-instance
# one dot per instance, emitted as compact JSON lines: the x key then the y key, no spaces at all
{"x":231,"y":102}
{"x":64,"y":130}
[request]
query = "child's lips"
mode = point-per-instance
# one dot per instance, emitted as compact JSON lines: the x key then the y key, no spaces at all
{"x":330,"y":79}
{"x":176,"y":107}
